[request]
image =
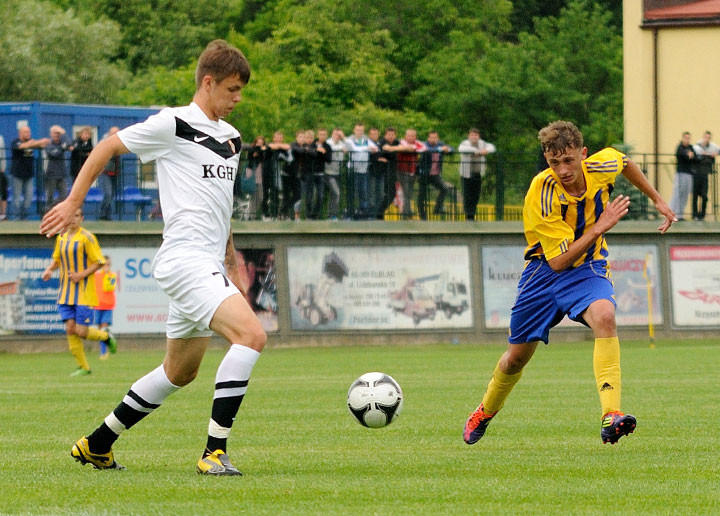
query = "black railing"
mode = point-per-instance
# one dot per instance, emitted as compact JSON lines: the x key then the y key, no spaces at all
{"x":502,"y":187}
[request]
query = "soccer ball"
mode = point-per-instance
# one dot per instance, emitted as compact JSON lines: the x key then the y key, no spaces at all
{"x":375,"y":400}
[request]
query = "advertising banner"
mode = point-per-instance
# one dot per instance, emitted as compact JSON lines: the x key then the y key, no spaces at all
{"x":389,"y":288}
{"x":695,"y":279}
{"x":503,"y":265}
{"x":141,"y":307}
{"x":634,"y":268}
{"x":27,"y":303}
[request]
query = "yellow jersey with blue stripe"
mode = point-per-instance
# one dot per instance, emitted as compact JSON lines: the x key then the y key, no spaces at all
{"x":553,"y":218}
{"x":76,"y":253}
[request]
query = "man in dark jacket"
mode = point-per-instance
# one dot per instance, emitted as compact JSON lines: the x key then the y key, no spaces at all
{"x":316,"y":194}
{"x":56,"y":171}
{"x":683,"y":185}
{"x":431,"y":165}
{"x":22,"y":169}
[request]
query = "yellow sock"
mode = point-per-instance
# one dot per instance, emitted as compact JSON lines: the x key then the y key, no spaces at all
{"x":78,"y":351}
{"x":95,"y":334}
{"x":606,"y":364}
{"x":499,"y":389}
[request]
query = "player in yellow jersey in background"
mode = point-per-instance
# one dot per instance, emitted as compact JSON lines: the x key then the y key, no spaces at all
{"x":78,"y":255}
{"x":566,"y":214}
{"x":105,"y":285}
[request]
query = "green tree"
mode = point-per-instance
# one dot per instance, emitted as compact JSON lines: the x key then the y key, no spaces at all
{"x":167,"y":33}
{"x":570,"y":67}
{"x":49,"y":54}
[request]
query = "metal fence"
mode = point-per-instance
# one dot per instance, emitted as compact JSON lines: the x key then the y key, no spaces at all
{"x":374,"y":194}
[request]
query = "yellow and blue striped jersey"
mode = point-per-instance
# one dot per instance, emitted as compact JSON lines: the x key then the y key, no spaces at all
{"x":76,"y":253}
{"x":553,"y":218}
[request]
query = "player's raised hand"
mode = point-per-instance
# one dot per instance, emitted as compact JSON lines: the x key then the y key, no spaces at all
{"x":614,"y":211}
{"x":58,"y":219}
{"x":670,"y":217}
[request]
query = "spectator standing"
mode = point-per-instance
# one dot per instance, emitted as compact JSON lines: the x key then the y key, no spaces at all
{"x":305,"y":169}
{"x":472,"y":169}
{"x":336,"y":144}
{"x":108,"y":180}
{"x":105,"y":285}
{"x":359,"y":147}
{"x":291,"y":178}
{"x":321,"y":157}
{"x":431,"y":168}
{"x":683,"y":185}
{"x":56,"y":171}
{"x":407,"y":166}
{"x":258,"y":158}
{"x":3,"y":181}
{"x":387,"y":160}
{"x":278,"y":159}
{"x":376,"y":174}
{"x":22,"y":171}
{"x":81,"y":149}
{"x":706,"y":152}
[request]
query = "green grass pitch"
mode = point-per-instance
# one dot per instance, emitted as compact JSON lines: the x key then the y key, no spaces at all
{"x":302,"y":453}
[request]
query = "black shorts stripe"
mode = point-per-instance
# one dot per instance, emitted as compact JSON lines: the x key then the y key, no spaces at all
{"x":231,"y":385}
{"x":141,"y":401}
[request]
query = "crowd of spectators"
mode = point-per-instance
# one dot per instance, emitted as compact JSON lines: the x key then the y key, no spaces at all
{"x":292,"y":180}
{"x":309,"y":177}
{"x":58,"y":151}
{"x":694,"y":164}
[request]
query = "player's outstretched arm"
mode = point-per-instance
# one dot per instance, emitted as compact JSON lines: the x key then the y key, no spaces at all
{"x":614,"y":211}
{"x":633,"y":174}
{"x":57,"y":219}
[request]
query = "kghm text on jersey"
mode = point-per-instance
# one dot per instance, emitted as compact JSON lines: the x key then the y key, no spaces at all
{"x":219,"y":171}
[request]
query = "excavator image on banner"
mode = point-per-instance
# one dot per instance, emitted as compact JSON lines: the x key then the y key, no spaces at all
{"x":313,"y":299}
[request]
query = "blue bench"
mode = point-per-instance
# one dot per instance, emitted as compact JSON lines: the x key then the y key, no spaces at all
{"x":138,"y":201}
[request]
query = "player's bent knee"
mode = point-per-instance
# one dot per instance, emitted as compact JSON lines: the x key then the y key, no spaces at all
{"x":81,"y":331}
{"x":182,"y":378}
{"x":256,"y":338}
{"x":602,"y":316}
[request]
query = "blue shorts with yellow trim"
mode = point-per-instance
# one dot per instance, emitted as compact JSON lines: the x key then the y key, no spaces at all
{"x":103,"y":317}
{"x":82,"y":315}
{"x":545,"y":297}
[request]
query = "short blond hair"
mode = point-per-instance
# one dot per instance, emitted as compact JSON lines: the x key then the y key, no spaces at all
{"x":559,"y":136}
{"x":57,"y":129}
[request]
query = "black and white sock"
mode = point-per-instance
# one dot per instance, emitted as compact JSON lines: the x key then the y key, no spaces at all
{"x":144,"y":396}
{"x":230,"y":386}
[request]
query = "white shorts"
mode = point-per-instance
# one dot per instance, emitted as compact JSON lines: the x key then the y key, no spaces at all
{"x":196,"y":288}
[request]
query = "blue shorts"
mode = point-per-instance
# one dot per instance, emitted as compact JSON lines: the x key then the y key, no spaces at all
{"x":103,"y":317}
{"x":545,"y":297}
{"x":82,"y":315}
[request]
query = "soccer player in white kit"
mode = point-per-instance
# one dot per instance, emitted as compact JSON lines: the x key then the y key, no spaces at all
{"x":197,"y":156}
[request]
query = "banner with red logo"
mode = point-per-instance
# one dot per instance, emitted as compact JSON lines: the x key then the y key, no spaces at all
{"x":695,"y":278}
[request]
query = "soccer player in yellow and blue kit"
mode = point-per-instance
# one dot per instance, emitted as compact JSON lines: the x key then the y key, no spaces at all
{"x":566,"y":213}
{"x":78,"y":255}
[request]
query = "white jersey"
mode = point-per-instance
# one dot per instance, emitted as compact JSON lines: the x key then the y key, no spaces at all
{"x":197,"y":160}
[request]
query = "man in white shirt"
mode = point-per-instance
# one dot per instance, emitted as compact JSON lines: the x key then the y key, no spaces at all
{"x":336,"y":143}
{"x":197,"y":156}
{"x":706,"y":152}
{"x":472,"y":169}
{"x":359,"y":146}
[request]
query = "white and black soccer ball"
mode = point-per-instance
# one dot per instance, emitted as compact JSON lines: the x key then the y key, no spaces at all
{"x":375,"y":400}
